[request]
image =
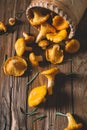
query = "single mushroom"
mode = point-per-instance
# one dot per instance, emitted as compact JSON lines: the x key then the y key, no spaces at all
{"x":54,"y":54}
{"x":43,"y":44}
{"x":50,"y":74}
{"x":44,"y":29}
{"x":72,"y":124}
{"x":35,"y":59}
{"x":3,"y":27}
{"x":20,"y":47}
{"x":37,"y":95}
{"x":28,"y":38}
{"x":15,"y":66}
{"x":60,"y":23}
{"x":12,"y":21}
{"x":57,"y":37}
{"x":72,"y":46}
{"x":37,"y":18}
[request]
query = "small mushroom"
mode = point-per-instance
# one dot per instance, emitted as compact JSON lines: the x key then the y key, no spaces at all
{"x":43,"y":44}
{"x":3,"y":27}
{"x":57,"y":37}
{"x":44,"y":29}
{"x":54,"y":54}
{"x":12,"y":21}
{"x":72,"y":124}
{"x":20,"y":47}
{"x":15,"y":66}
{"x":37,"y":18}
{"x":72,"y":46}
{"x":60,"y":23}
{"x":37,"y":95}
{"x":50,"y":74}
{"x":28,"y":38}
{"x":35,"y":59}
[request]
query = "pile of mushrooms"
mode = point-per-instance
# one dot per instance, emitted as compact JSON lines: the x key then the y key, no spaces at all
{"x":53,"y":29}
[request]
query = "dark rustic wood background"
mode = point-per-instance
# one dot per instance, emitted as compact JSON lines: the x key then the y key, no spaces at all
{"x":70,"y":94}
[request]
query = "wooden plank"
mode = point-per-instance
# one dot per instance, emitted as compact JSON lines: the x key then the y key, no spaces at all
{"x":80,"y":67}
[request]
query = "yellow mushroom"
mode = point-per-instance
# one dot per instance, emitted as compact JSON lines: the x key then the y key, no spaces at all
{"x":54,"y":54}
{"x":60,"y":23}
{"x":12,"y":21}
{"x":37,"y":95}
{"x":20,"y":47}
{"x":72,"y":124}
{"x":28,"y":38}
{"x":3,"y":27}
{"x":50,"y":74}
{"x":15,"y":66}
{"x":44,"y":29}
{"x":35,"y":59}
{"x":37,"y":18}
{"x":43,"y":44}
{"x":72,"y":46}
{"x":57,"y":37}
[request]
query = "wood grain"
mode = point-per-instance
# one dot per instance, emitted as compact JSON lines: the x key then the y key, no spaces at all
{"x":70,"y":95}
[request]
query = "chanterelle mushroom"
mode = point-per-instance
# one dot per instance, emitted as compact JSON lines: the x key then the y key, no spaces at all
{"x":44,"y":29}
{"x":3,"y":27}
{"x":15,"y":66}
{"x":43,"y":44}
{"x":35,"y":59}
{"x":50,"y":74}
{"x":72,"y":46}
{"x":37,"y":95}
{"x":20,"y":47}
{"x":28,"y":38}
{"x":72,"y":124}
{"x":54,"y":54}
{"x":38,"y":18}
{"x":59,"y":23}
{"x":57,"y":37}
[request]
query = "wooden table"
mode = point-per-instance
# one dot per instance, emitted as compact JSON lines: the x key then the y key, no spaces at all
{"x":70,"y":94}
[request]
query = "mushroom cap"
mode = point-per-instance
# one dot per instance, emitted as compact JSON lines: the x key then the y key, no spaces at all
{"x":60,"y":23}
{"x":51,"y":71}
{"x":15,"y":66}
{"x":33,"y":59}
{"x":72,"y":46}
{"x":3,"y":26}
{"x":37,"y":95}
{"x":20,"y":46}
{"x":38,"y":18}
{"x":54,"y":54}
{"x":57,"y":37}
{"x":43,"y":44}
{"x":44,"y":29}
{"x":72,"y":124}
{"x":12,"y":21}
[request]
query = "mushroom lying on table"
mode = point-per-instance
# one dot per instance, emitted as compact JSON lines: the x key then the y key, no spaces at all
{"x":43,"y":44}
{"x":35,"y":59}
{"x":15,"y":66}
{"x":20,"y":47}
{"x":37,"y":95}
{"x":72,"y":46}
{"x":72,"y":124}
{"x":28,"y":38}
{"x":50,"y":74}
{"x":3,"y":27}
{"x":54,"y":54}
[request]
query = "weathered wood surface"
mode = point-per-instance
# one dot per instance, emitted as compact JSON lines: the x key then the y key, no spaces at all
{"x":70,"y":95}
